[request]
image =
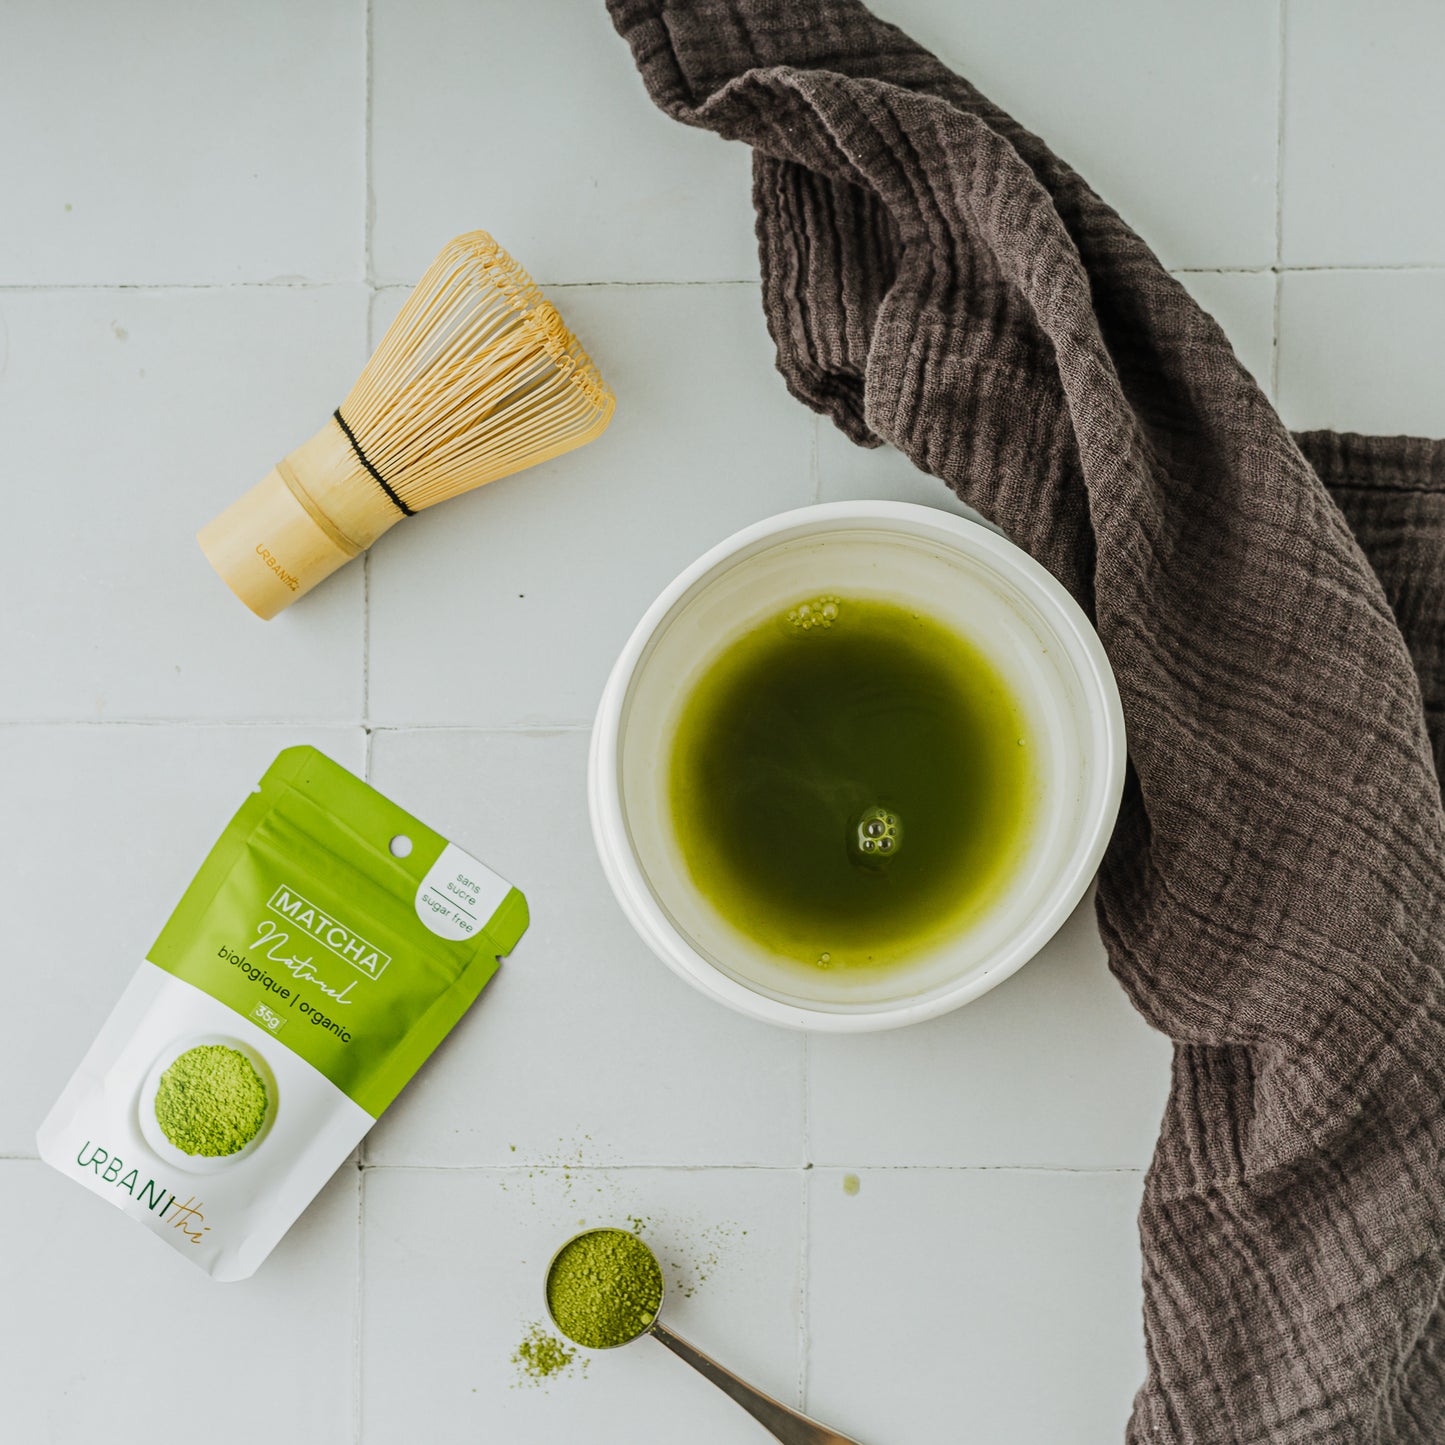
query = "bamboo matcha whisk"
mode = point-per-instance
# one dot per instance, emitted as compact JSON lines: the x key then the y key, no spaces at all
{"x":477,"y":377}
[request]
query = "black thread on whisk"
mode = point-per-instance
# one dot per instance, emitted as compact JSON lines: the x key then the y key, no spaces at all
{"x":366,"y":462}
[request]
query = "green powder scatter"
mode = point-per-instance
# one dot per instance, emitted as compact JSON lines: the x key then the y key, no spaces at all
{"x":704,"y":1251}
{"x":211,"y":1101}
{"x":851,"y":1184}
{"x":542,"y":1356}
{"x":604,"y":1288}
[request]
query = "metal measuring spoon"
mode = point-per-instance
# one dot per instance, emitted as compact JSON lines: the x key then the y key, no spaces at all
{"x":781,"y":1422}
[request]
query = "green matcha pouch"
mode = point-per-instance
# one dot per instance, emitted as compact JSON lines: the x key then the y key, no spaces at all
{"x":325,"y":948}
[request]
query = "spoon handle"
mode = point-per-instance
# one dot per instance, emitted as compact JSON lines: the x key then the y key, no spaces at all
{"x":784,"y":1424}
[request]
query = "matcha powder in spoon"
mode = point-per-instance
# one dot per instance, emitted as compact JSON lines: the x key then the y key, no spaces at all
{"x":604,"y":1288}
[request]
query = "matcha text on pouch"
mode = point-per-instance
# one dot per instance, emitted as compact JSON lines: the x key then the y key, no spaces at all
{"x":327,"y":945}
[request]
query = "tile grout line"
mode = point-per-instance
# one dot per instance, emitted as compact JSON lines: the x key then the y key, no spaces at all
{"x":22,"y":288}
{"x":806,"y":1171}
{"x":376,"y":286}
{"x":1279,"y":204}
{"x":368,"y":273}
{"x":694,"y":281}
{"x":807,"y":1103}
{"x":58,"y":723}
{"x":1279,"y":269}
{"x":537,"y":1167}
{"x":371,"y":281}
{"x":1274,"y":349}
{"x":805,"y":1195}
{"x":368,"y":214}
{"x":360,"y":1297}
{"x":528,"y":729}
{"x":538,"y":728}
{"x":804,"y":1284}
{"x":366,"y":655}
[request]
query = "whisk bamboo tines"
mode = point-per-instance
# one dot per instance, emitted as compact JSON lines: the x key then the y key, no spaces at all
{"x":477,"y":377}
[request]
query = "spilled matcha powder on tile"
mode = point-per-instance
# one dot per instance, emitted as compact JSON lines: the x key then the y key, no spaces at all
{"x":211,"y":1101}
{"x":542,"y":1356}
{"x":604,"y":1288}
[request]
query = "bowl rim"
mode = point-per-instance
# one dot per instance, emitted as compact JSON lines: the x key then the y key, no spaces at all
{"x":624,"y":872}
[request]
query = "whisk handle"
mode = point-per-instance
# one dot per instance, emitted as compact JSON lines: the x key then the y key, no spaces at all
{"x":309,"y":515}
{"x":268,"y":549}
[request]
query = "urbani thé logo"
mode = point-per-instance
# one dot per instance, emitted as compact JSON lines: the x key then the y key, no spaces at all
{"x":344,"y":942}
{"x":152,"y":1196}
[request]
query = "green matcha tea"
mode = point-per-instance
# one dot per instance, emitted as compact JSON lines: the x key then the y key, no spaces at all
{"x":849,"y":782}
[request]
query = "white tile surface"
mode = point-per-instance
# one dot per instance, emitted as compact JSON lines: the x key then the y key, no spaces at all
{"x":974,"y":1305}
{"x":131,"y":811}
{"x":574,"y":171}
{"x":108,"y":1334}
{"x":1051,"y":1068}
{"x":1364,"y":113}
{"x":1363,"y":350}
{"x":169,"y":143}
{"x":131,"y":417}
{"x":561,"y":561}
{"x":1168,"y":107}
{"x":583,"y":1043}
{"x":474,"y":1246}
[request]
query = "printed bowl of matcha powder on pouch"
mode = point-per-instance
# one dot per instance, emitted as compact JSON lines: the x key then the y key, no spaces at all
{"x":207,"y":1103}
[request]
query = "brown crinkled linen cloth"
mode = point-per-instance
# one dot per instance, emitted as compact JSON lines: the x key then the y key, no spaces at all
{"x":1273,"y":607}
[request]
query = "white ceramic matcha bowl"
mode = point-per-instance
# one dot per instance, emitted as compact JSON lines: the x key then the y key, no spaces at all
{"x":961,"y":574}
